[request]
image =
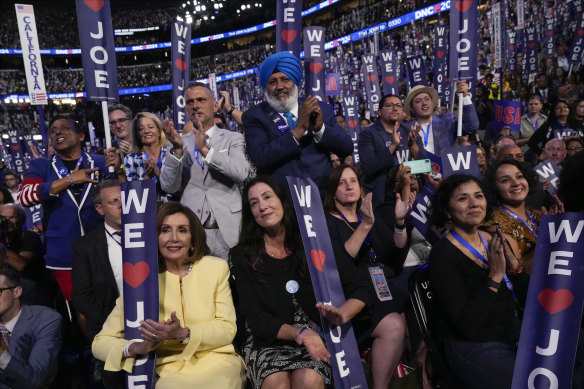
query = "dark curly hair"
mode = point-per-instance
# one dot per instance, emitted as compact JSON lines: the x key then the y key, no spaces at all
{"x":440,"y":202}
{"x":490,"y":179}
{"x":251,"y":235}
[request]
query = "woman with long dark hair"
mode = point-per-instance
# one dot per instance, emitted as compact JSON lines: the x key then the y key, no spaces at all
{"x":283,"y":347}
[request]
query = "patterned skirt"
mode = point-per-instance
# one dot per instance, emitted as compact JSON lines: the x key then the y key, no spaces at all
{"x":263,"y":361}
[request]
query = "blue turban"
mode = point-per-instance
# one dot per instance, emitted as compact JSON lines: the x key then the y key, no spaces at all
{"x":283,"y":61}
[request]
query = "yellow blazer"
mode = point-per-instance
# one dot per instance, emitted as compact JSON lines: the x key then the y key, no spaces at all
{"x":203,"y":303}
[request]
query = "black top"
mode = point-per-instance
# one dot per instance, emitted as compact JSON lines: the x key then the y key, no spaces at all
{"x":468,"y":309}
{"x":386,"y":254}
{"x":267,"y":305}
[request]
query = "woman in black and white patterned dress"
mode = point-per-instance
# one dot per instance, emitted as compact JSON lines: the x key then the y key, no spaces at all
{"x":283,"y":343}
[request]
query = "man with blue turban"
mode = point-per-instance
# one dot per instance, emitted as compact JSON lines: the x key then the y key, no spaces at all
{"x":286,"y":138}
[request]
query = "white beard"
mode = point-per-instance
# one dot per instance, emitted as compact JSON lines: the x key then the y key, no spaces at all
{"x":285,"y":105}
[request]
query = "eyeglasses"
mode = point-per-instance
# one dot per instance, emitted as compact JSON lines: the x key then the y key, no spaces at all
{"x":557,"y":149}
{"x":119,"y":121}
{"x":574,"y":148}
{"x":391,"y":105}
{"x":3,"y":289}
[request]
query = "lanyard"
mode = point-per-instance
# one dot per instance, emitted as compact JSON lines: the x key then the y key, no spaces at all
{"x":475,"y":252}
{"x":426,"y":133}
{"x":536,"y":124}
{"x":65,"y":172}
{"x":367,"y":241}
{"x":523,"y":221}
{"x":199,"y":159}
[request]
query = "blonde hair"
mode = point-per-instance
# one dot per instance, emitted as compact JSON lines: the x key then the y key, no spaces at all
{"x":137,"y":145}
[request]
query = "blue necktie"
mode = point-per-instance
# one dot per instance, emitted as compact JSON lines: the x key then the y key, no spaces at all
{"x":290,"y":120}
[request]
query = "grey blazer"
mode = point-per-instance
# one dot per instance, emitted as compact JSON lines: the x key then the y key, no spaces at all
{"x":216,"y":182}
{"x":34,"y":348}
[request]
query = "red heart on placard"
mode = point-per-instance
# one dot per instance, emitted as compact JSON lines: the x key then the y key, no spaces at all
{"x":371,"y":77}
{"x":15,"y":147}
{"x":440,"y":54}
{"x":390,"y":79}
{"x":318,"y":259}
{"x":550,"y":33}
{"x":463,"y":5}
{"x":134,"y":275}
{"x":182,"y":65}
{"x":531,"y":44}
{"x":288,"y":35}
{"x":555,"y":301}
{"x":447,"y":79}
{"x":580,"y":32}
{"x":315,"y":67}
{"x":512,"y":47}
{"x":352,"y":123}
{"x":95,"y":5}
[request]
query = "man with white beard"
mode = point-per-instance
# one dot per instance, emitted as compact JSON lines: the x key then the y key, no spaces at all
{"x":285,"y":138}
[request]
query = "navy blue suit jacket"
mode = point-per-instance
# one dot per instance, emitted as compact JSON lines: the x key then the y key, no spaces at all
{"x":34,"y":348}
{"x":376,"y":159}
{"x":444,"y":127}
{"x":277,"y":154}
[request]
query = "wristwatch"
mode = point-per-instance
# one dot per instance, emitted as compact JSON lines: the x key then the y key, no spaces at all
{"x":493,"y":284}
{"x":230,"y":111}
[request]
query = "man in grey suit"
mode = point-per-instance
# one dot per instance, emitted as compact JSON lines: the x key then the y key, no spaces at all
{"x":216,"y":162}
{"x":30,"y":338}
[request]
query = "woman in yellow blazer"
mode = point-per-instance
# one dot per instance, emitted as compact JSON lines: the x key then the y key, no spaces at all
{"x":197,"y":318}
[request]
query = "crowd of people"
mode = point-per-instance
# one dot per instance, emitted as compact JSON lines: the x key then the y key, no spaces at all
{"x":237,"y":303}
{"x":239,"y":57}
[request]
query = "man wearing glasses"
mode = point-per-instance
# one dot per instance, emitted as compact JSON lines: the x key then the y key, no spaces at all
{"x":120,"y":119}
{"x":30,"y":338}
{"x":386,"y":143}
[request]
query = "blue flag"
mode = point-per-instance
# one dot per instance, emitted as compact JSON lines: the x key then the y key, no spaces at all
{"x":340,"y":340}
{"x":546,"y":353}
{"x":98,"y":55}
{"x":288,"y":26}
{"x":181,"y":70}
{"x":314,"y":62}
{"x":140,"y":269}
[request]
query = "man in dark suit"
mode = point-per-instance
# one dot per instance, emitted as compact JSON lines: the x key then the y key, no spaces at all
{"x":97,"y":266}
{"x":30,"y":338}
{"x":285,"y":138}
{"x":439,"y":132}
{"x":97,"y":261}
{"x":387,"y":143}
